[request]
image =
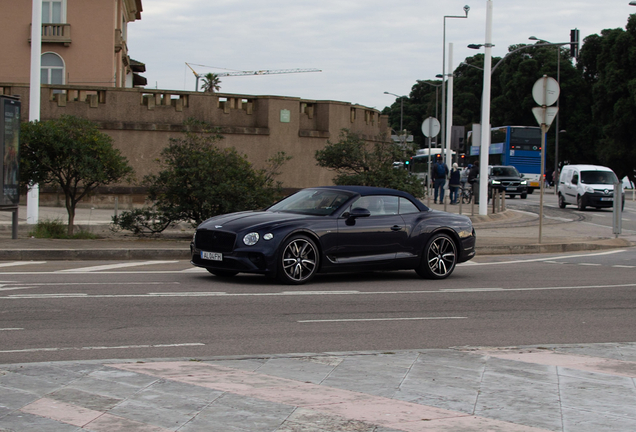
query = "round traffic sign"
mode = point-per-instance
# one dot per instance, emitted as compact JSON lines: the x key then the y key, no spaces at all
{"x":546,"y":91}
{"x":430,"y":127}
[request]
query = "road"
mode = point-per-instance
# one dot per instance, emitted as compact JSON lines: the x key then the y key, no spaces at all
{"x":602,"y":218}
{"x":52,"y":311}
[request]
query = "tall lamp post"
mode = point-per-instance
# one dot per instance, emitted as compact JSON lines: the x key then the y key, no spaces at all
{"x":33,"y":192}
{"x":443,"y":122}
{"x":402,"y":134}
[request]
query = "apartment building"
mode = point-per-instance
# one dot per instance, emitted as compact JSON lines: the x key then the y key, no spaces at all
{"x":83,"y":42}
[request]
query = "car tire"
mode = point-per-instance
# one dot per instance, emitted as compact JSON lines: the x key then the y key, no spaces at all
{"x":439,"y":257}
{"x":223,"y":273}
{"x":562,"y":203}
{"x":579,"y":203}
{"x":524,"y":196}
{"x":298,"y":260}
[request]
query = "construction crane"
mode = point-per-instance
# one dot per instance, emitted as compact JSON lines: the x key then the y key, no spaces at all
{"x":247,"y":73}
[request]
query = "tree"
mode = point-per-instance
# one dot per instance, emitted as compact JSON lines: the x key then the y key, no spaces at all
{"x":200,"y":180}
{"x":355,"y":164}
{"x":73,"y":154}
{"x":608,"y":64}
{"x":211,"y":83}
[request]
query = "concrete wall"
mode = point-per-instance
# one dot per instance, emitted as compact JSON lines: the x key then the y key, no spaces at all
{"x":142,"y":121}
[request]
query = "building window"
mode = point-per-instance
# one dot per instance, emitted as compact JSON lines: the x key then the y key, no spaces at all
{"x":52,"y":71}
{"x":53,"y":11}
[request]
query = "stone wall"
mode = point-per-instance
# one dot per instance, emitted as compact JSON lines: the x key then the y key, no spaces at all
{"x":141,"y":122}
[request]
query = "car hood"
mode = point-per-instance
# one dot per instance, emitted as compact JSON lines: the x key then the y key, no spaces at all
{"x":235,"y":222}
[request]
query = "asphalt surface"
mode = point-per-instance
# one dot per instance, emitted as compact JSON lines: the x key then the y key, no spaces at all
{"x":587,"y":387}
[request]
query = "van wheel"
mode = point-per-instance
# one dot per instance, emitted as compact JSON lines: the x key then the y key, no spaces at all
{"x":579,"y":203}
{"x":561,"y":201}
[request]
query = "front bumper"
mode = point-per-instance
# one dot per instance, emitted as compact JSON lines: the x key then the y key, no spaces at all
{"x":242,"y":261}
{"x":598,"y":200}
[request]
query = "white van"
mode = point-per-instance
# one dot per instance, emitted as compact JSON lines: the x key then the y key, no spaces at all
{"x":587,"y":185}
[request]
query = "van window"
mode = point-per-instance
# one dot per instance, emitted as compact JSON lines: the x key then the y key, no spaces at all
{"x":598,"y":177}
{"x":575,"y":178}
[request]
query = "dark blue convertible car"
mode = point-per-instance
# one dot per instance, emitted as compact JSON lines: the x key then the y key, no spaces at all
{"x":335,"y":229}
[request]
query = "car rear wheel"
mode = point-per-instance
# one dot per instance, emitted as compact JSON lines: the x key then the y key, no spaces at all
{"x":561,"y":201}
{"x":298,"y":261}
{"x":439,"y":258}
{"x":223,"y":273}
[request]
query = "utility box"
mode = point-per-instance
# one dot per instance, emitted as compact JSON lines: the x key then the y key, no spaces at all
{"x":9,"y":150}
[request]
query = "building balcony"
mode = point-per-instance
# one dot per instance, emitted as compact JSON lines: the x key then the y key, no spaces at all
{"x":56,"y":33}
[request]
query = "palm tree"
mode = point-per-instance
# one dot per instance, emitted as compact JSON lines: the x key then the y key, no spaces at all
{"x":211,"y":83}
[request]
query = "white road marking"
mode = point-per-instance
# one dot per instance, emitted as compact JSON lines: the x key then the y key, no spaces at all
{"x":115,"y":266}
{"x":589,"y":264}
{"x":101,"y":348}
{"x":9,"y":329}
{"x":16,"y":286}
{"x":623,"y":266}
{"x":296,"y":293}
{"x":552,"y":258}
{"x":379,"y":319}
{"x":20,"y":263}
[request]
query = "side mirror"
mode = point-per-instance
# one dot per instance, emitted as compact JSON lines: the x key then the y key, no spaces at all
{"x":357,"y":213}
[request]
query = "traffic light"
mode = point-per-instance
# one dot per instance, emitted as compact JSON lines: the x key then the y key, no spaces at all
{"x":574,"y":43}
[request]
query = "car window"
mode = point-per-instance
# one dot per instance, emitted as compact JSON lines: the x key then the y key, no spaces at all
{"x":312,"y":202}
{"x":378,"y":205}
{"x":598,"y":177}
{"x":407,"y":206}
{"x":505,"y":172}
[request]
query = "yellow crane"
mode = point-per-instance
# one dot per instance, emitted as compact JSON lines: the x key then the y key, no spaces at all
{"x":247,"y":73}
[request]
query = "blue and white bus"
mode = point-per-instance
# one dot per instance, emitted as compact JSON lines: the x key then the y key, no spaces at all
{"x":519,"y":146}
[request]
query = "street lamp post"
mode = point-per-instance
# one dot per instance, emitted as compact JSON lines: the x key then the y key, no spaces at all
{"x":485,"y":118}
{"x":443,"y":122}
{"x":402,"y":132}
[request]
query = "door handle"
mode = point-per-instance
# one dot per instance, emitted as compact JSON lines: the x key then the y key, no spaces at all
{"x":396,"y":228}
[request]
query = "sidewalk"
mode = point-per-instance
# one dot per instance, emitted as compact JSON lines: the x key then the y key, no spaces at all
{"x":569,"y":388}
{"x":508,"y":232}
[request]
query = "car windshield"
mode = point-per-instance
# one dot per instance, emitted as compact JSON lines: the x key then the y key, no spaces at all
{"x":505,"y":172}
{"x":317,"y":202}
{"x":598,"y":177}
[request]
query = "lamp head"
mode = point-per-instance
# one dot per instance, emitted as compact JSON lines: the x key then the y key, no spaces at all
{"x":475,"y":46}
{"x":466,"y":9}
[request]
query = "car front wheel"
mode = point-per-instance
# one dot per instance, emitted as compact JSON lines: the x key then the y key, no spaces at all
{"x":579,"y":203}
{"x":298,"y":261}
{"x":439,"y":258}
{"x":561,"y":201}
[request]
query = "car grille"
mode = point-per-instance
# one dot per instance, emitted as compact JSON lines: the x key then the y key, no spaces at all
{"x":215,"y":241}
{"x":510,"y":183}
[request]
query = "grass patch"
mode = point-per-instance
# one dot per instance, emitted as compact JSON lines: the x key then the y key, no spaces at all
{"x":55,"y":229}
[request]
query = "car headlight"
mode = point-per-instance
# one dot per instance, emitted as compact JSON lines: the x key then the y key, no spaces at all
{"x":251,"y":239}
{"x":589,"y":189}
{"x":496,"y":182}
{"x":524,"y":182}
{"x":268,"y":236}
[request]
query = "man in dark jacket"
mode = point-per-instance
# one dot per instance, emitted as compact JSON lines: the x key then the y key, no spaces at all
{"x":473,"y":179}
{"x":439,"y":173}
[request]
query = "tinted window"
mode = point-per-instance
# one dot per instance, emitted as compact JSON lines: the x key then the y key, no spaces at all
{"x":312,"y":202}
{"x":378,"y":205}
{"x":407,"y":206}
{"x":505,"y":171}
{"x":598,"y":177}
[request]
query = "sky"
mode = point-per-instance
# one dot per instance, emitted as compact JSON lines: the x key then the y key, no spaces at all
{"x":362,"y":47}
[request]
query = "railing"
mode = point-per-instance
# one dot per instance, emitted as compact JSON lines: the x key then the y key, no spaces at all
{"x":55,"y":33}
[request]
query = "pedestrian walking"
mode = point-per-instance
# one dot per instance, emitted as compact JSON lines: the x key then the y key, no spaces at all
{"x":439,"y":175}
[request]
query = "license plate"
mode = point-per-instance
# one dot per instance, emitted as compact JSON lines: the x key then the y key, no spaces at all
{"x":606,"y":199}
{"x":511,"y":188}
{"x":212,"y":256}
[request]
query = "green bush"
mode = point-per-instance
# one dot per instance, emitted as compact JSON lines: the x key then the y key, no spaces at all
{"x":56,"y":229}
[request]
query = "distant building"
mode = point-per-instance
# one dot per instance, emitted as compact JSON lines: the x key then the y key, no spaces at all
{"x":83,"y":42}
